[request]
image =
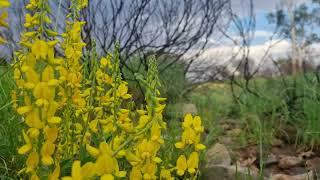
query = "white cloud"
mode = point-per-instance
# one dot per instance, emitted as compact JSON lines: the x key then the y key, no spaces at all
{"x":263,"y":33}
{"x":262,"y":5}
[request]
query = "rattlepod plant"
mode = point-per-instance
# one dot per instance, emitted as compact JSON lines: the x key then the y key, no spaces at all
{"x":78,"y":110}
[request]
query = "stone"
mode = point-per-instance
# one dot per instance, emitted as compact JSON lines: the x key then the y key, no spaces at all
{"x":271,"y":159}
{"x":313,"y":164}
{"x":277,"y":142}
{"x":218,"y":155}
{"x":234,"y":132}
{"x":189,"y":108}
{"x":225,"y":140}
{"x":306,"y":176}
{"x":222,"y":172}
{"x":289,"y":161}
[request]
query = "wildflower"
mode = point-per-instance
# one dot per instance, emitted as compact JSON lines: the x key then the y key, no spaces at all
{"x":40,"y":49}
{"x":47,"y":151}
{"x":135,"y":174}
{"x":27,"y":147}
{"x":32,"y":161}
{"x":192,"y":130}
{"x":24,"y":109}
{"x":4,"y":3}
{"x":32,"y":4}
{"x":33,"y":119}
{"x":191,"y":164}
{"x":181,"y":165}
{"x":3,"y":17}
{"x":76,"y":172}
{"x":165,"y":174}
{"x":31,"y":20}
{"x":55,"y":174}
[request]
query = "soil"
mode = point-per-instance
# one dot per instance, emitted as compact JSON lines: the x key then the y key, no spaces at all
{"x":278,"y":157}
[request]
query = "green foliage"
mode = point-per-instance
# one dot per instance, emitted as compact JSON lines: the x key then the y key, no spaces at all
{"x":10,"y":126}
{"x":305,"y":17}
{"x":173,"y":81}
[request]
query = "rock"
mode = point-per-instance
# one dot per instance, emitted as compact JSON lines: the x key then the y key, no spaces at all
{"x":306,"y":154}
{"x":271,"y":159}
{"x":218,"y":155}
{"x":313,"y":164}
{"x":225,"y":140}
{"x":222,"y":172}
{"x":234,"y":132}
{"x":289,"y":161}
{"x":226,"y":126}
{"x":276,"y":142}
{"x":189,"y":108}
{"x":306,"y":176}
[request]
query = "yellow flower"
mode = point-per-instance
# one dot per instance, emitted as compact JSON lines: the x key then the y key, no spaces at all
{"x":135,"y":174}
{"x":32,"y":161}
{"x":54,"y":120}
{"x":181,"y":165}
{"x":93,"y":125}
{"x":165,"y":174}
{"x":132,"y":158}
{"x":3,"y":18}
{"x":46,"y":152}
{"x":75,"y":173}
{"x":123,"y":91}
{"x":34,"y":177}
{"x":149,"y":170}
{"x":147,"y":149}
{"x":105,"y":164}
{"x":197,"y":124}
{"x":40,"y":49}
{"x":199,"y":147}
{"x":43,"y":91}
{"x":27,"y":147}
{"x":92,"y":151}
{"x":76,"y":30}
{"x":32,"y":76}
{"x":193,"y":162}
{"x":4,"y":3}
{"x":188,"y":120}
{"x":104,"y":62}
{"x":2,"y":41}
{"x":31,"y":20}
{"x":47,"y":74}
{"x":33,"y":132}
{"x":33,"y":119}
{"x":24,"y":109}
{"x":55,"y":174}
{"x":82,"y":3}
{"x":32,"y":4}
{"x":51,"y":134}
{"x":107,"y":177}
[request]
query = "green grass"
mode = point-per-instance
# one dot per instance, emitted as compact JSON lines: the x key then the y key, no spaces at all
{"x":10,"y":128}
{"x":275,"y":106}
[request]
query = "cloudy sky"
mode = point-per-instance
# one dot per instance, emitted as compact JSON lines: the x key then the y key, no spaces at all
{"x":275,"y":48}
{"x":262,"y":7}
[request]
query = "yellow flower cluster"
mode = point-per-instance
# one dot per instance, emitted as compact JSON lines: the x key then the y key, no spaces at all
{"x":36,"y":93}
{"x":78,"y":109}
{"x":191,"y":134}
{"x":70,"y":80}
{"x":3,"y":17}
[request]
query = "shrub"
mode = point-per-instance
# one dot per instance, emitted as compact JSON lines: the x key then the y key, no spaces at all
{"x":82,"y":113}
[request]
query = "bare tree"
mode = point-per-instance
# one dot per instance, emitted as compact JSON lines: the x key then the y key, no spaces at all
{"x":295,"y":52}
{"x":159,"y":27}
